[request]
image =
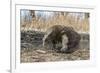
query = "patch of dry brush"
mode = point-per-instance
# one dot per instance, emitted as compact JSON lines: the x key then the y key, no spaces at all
{"x":81,"y":25}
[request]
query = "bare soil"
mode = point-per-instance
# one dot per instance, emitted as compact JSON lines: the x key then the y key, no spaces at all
{"x":44,"y":55}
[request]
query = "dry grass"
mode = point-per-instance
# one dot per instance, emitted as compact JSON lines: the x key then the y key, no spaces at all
{"x":40,"y":24}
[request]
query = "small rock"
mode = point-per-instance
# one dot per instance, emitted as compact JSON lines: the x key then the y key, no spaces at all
{"x":41,"y":51}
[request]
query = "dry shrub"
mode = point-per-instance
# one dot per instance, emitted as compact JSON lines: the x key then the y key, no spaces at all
{"x":81,"y":25}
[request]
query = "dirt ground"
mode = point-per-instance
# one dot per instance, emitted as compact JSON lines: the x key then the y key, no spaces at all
{"x":45,"y":55}
{"x":33,"y":51}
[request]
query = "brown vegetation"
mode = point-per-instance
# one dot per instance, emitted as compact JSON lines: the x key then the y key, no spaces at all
{"x":81,"y":25}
